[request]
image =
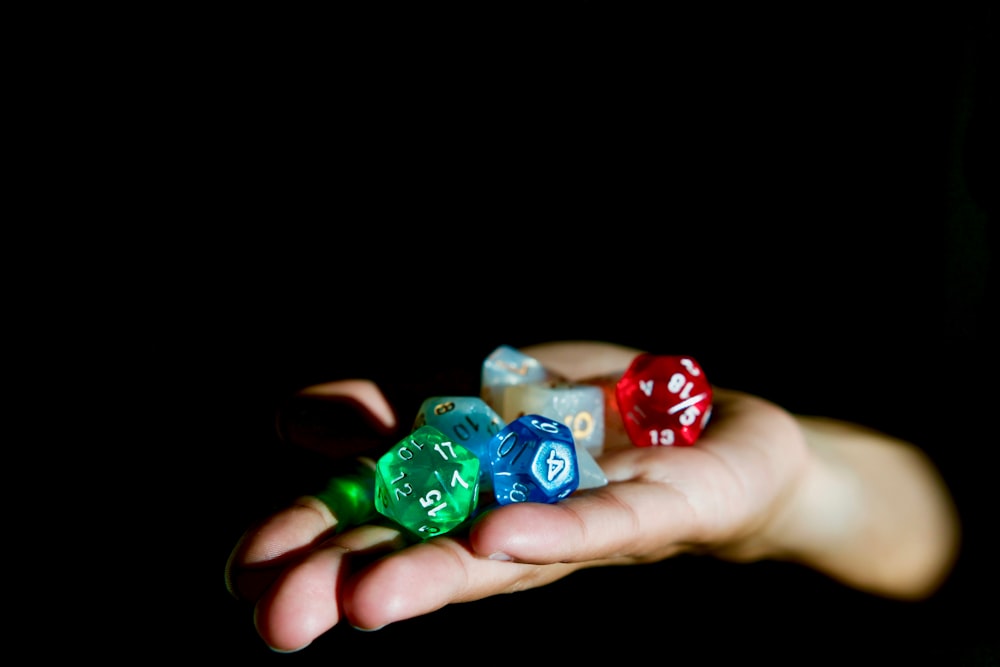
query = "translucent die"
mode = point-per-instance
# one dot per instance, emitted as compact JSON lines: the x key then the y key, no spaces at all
{"x":579,"y":406}
{"x":664,"y":400}
{"x":427,"y":483}
{"x":533,"y":459}
{"x":469,"y":421}
{"x":505,"y":367}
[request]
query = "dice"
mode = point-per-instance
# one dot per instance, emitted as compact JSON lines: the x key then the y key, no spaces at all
{"x":615,"y":435}
{"x":533,"y":459}
{"x":467,"y":419}
{"x":664,"y":400}
{"x":427,"y":483}
{"x":579,"y":406}
{"x":470,"y":421}
{"x":505,"y":367}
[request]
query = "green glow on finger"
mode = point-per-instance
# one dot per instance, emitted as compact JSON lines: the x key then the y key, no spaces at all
{"x":351,"y":498}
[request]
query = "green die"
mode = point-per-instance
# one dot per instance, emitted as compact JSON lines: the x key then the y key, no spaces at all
{"x":427,"y":483}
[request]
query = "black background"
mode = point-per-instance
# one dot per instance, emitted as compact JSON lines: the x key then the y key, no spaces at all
{"x":803,"y":201}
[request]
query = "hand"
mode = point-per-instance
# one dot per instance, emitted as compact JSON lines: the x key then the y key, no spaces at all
{"x":759,"y":483}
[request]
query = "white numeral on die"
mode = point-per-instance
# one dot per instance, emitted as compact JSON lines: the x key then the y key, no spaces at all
{"x":663,"y":437}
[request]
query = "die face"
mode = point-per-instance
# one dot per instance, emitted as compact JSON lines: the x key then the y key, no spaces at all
{"x":664,"y":400}
{"x":468,"y":420}
{"x":579,"y":406}
{"x":615,"y":435}
{"x":505,"y":367}
{"x":427,"y":483}
{"x":533,"y":459}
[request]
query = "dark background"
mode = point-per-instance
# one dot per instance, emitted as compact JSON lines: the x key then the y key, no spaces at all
{"x":803,"y":201}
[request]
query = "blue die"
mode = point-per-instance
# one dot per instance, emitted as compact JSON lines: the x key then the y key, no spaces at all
{"x":533,"y":459}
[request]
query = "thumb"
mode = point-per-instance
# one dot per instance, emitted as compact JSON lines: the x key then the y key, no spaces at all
{"x":339,"y":419}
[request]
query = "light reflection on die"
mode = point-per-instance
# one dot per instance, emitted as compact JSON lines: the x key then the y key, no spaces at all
{"x":615,"y":435}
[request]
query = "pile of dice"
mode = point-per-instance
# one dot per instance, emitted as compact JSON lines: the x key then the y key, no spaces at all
{"x":530,"y":436}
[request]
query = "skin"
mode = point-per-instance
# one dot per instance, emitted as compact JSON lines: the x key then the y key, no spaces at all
{"x":760,"y":483}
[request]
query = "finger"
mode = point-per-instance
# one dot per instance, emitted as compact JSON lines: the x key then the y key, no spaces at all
{"x":430,"y":575}
{"x":303,"y":601}
{"x":266,"y":548}
{"x":661,"y":500}
{"x":583,"y":359}
{"x":340,"y":419}
{"x":364,"y":393}
{"x":637,"y":520}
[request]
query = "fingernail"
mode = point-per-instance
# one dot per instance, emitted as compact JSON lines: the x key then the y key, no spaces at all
{"x":499,"y":555}
{"x":288,"y":650}
{"x":368,"y":629}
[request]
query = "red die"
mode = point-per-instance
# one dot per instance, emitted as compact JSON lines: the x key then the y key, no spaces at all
{"x":664,"y":400}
